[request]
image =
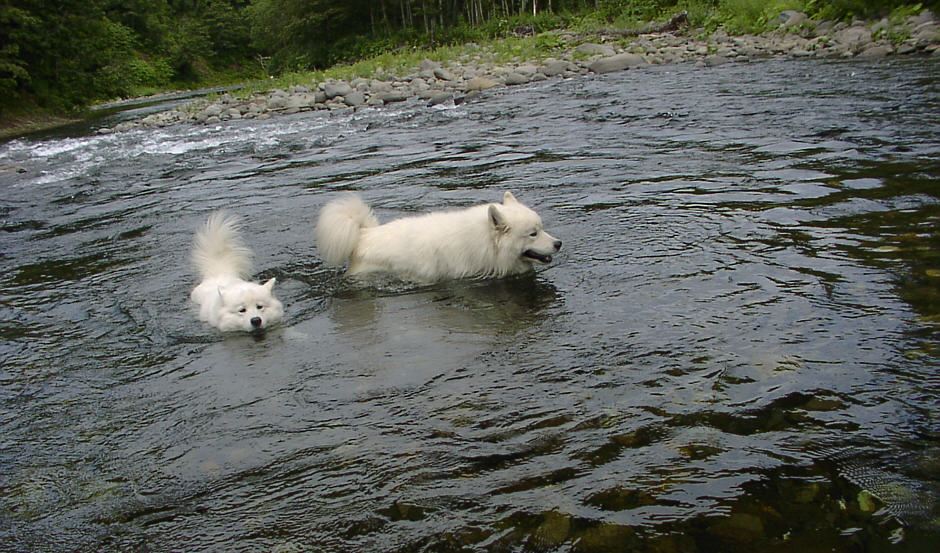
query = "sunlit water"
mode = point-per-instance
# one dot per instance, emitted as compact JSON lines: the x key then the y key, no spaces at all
{"x":736,"y":350}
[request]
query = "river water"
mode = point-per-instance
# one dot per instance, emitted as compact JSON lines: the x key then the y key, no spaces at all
{"x":736,"y":350}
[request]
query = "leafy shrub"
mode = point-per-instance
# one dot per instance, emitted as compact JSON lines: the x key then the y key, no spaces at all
{"x":847,"y":9}
{"x":153,"y":73}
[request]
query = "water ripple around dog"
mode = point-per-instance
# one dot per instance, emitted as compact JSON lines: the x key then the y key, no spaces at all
{"x":747,"y":285}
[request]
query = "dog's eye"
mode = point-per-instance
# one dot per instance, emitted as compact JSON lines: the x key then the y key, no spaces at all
{"x":260,"y":307}
{"x":534,"y":233}
{"x":242,"y":309}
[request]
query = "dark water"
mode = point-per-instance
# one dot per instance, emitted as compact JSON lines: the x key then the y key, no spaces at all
{"x":736,"y":350}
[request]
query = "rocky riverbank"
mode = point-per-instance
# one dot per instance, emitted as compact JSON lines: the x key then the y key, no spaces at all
{"x":604,"y":51}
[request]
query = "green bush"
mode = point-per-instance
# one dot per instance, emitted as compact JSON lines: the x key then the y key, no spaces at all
{"x":144,"y":73}
{"x":847,"y":9}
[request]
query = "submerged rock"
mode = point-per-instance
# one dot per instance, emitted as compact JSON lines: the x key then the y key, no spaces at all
{"x":553,"y":530}
{"x":739,"y":527}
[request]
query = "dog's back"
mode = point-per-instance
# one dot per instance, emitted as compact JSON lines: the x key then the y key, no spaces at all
{"x":429,"y":247}
{"x":483,"y":241}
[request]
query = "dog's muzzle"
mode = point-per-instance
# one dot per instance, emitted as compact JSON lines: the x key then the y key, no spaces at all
{"x":542,"y":257}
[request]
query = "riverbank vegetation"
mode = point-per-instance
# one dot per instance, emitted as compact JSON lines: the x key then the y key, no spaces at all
{"x":58,"y":58}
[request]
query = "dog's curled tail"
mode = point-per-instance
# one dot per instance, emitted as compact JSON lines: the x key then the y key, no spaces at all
{"x":338,"y":228}
{"x":219,"y":250}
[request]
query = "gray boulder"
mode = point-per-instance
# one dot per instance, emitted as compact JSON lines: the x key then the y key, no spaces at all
{"x":443,"y":74}
{"x":617,"y":63}
{"x":378,"y":85}
{"x":298,"y":101}
{"x":925,"y":16}
{"x":336,"y":88}
{"x":853,"y":37}
{"x":480,"y":83}
{"x":876,"y":51}
{"x":715,"y":59}
{"x":392,"y":96}
{"x":593,"y":48}
{"x":354,"y":98}
{"x":882,"y":25}
{"x":429,"y":65}
{"x":791,"y":18}
{"x":277,"y":102}
{"x":553,"y":68}
{"x":440,"y":98}
{"x":823,"y":28}
{"x":925,"y":34}
{"x":213,"y":110}
{"x":514,"y":78}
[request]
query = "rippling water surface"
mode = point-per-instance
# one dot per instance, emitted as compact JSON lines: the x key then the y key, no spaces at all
{"x":735,"y":351}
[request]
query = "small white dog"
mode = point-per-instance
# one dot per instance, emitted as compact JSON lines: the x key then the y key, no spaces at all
{"x":490,"y":240}
{"x":226,"y":300}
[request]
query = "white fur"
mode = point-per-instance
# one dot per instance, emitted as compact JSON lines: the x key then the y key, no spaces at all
{"x":226,"y":299}
{"x":487,"y":240}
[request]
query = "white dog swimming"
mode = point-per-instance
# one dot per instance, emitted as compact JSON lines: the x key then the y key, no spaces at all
{"x":226,"y":300}
{"x":490,"y":240}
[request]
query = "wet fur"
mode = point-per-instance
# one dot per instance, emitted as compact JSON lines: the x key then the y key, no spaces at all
{"x":484,"y":241}
{"x":226,"y":299}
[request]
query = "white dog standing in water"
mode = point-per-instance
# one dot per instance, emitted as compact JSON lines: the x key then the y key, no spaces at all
{"x":226,"y":300}
{"x":484,"y":241}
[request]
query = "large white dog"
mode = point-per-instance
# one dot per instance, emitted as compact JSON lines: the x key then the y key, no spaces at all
{"x":484,"y":241}
{"x":226,"y":300}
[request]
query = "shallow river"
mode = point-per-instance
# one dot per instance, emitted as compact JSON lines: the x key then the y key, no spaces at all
{"x":736,"y":350}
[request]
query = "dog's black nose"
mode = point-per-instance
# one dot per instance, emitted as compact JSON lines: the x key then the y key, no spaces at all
{"x":256,"y":322}
{"x":557,"y":245}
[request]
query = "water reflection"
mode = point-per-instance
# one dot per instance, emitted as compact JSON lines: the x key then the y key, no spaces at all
{"x":499,"y":307}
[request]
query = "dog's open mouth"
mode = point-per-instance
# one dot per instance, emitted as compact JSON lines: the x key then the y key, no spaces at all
{"x":540,"y":257}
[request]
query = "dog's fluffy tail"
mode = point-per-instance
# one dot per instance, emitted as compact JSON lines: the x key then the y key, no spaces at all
{"x":338,"y":228}
{"x":218,"y":249}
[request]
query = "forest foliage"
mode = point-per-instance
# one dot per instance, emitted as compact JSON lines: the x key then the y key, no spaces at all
{"x":64,"y":54}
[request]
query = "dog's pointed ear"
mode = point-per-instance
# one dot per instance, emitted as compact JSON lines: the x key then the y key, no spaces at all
{"x":269,"y":285}
{"x":499,"y":222}
{"x":508,"y":198}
